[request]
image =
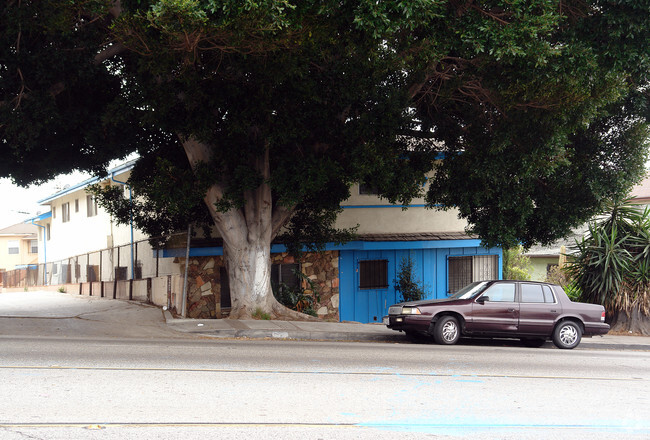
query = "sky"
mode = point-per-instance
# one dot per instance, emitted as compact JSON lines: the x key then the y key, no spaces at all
{"x":20,"y":204}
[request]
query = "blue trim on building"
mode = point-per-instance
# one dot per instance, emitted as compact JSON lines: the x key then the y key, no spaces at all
{"x":381,"y":206}
{"x":350,"y":246}
{"x":119,"y":169}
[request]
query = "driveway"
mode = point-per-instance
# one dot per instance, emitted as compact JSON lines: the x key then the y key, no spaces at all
{"x":41,"y":313}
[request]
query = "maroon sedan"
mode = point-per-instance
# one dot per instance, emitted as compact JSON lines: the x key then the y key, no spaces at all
{"x":528,"y":310}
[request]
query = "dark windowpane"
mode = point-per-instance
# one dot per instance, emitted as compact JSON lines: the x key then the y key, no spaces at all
{"x":460,"y":273}
{"x":370,"y":190}
{"x":285,"y":275}
{"x":531,"y":293}
{"x":373,"y":274}
{"x":225,"y":288}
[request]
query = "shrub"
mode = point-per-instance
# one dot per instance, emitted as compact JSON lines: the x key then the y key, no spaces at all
{"x":516,"y":265}
{"x":300,"y":299}
{"x":406,"y":284}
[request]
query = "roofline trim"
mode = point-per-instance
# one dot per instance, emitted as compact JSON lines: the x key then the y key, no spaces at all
{"x":119,"y":169}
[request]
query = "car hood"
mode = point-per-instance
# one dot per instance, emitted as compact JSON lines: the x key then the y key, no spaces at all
{"x":431,"y":302}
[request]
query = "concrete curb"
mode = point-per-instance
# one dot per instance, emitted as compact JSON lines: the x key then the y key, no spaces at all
{"x":349,"y":332}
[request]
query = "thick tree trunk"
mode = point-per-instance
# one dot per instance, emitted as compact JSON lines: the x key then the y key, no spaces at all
{"x":635,"y":322}
{"x":247,"y":233}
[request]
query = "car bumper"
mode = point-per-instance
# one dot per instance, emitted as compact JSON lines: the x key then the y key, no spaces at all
{"x":417,"y":323}
{"x":596,"y":328}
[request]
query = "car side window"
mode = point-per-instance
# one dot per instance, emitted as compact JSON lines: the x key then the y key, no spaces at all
{"x":501,"y":292}
{"x":548,"y":295}
{"x":532,"y":293}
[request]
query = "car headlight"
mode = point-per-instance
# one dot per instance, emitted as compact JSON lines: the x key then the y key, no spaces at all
{"x":411,"y":311}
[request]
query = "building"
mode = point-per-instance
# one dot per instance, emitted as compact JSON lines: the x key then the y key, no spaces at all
{"x":355,"y":281}
{"x":18,"y":250}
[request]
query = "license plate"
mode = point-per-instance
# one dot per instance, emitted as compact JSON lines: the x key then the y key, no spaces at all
{"x":386,"y":321}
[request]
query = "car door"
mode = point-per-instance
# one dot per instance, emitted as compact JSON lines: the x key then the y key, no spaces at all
{"x":538,"y":309}
{"x":498,"y":314}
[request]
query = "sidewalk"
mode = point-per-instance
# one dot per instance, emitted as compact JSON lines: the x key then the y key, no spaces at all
{"x":347,"y":331}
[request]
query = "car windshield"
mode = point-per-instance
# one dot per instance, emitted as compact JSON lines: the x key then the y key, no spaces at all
{"x":470,"y":290}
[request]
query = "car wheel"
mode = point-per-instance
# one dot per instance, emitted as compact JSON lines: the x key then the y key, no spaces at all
{"x":533,"y":342}
{"x":446,"y":330}
{"x":567,"y":334}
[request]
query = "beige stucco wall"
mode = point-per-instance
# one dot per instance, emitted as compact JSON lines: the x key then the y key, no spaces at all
{"x":538,"y":267}
{"x":378,"y":216}
{"x":10,"y":261}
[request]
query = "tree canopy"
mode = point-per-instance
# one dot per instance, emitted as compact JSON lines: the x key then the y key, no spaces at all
{"x":259,"y":115}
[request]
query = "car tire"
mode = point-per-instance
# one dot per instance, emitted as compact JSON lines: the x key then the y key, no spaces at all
{"x":567,"y":335}
{"x":446,"y":330}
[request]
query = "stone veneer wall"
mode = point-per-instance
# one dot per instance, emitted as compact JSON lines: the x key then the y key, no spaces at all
{"x":204,"y":283}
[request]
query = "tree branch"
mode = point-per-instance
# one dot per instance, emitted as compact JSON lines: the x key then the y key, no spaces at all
{"x":108,"y":52}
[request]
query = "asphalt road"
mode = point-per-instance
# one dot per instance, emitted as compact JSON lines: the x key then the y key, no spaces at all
{"x":62,"y":384}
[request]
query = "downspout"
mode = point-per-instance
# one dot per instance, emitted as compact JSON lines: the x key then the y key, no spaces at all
{"x":44,"y":251}
{"x":130,"y":220}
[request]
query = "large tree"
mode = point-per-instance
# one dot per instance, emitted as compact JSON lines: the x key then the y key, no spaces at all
{"x":259,"y":115}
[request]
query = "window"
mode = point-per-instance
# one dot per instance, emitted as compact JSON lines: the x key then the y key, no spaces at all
{"x":285,"y":275}
{"x":76,"y":205}
{"x":65,"y":212}
{"x":466,"y":270}
{"x":548,"y":295}
{"x":53,"y":211}
{"x":460,"y":273}
{"x":531,"y":293}
{"x":368,"y":190}
{"x":48,"y":231}
{"x":224,"y":301}
{"x":373,"y":274}
{"x":501,"y":292}
{"x":91,"y":206}
{"x":13,"y":247}
{"x":33,"y":246}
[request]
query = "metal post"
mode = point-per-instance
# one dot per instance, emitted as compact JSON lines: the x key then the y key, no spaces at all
{"x":187,"y":263}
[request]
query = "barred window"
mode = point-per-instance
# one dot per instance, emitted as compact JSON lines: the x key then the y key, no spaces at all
{"x":373,"y":274}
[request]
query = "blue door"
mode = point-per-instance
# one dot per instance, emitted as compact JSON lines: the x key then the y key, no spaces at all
{"x":373,"y":284}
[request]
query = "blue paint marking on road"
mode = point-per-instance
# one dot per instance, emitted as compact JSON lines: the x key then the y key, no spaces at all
{"x":410,"y":426}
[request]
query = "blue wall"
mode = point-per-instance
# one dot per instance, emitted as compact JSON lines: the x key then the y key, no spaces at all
{"x":430,"y":267}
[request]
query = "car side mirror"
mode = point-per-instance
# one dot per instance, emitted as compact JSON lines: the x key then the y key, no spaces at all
{"x":482,"y":299}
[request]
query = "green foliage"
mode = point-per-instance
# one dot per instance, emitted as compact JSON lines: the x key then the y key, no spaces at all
{"x":560,"y":276}
{"x":259,"y":314}
{"x":299,"y":298}
{"x":610,"y":264}
{"x":540,"y":111}
{"x":516,"y":265}
{"x":406,"y":284}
